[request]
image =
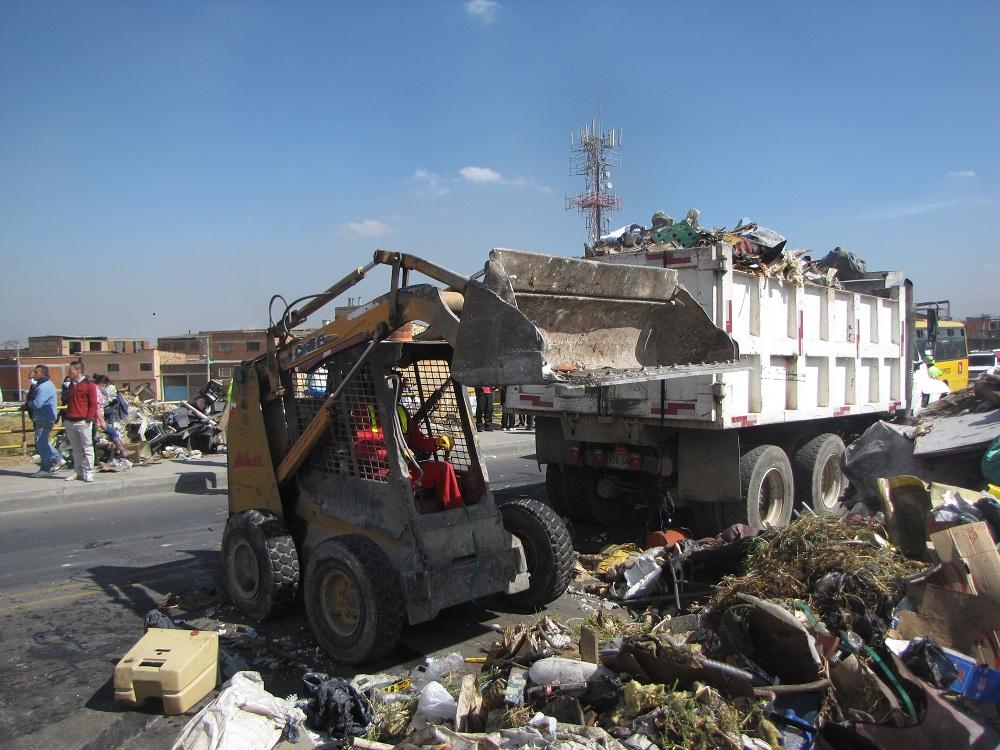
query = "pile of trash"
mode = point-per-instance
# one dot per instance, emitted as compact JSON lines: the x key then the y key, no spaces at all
{"x":955,"y":440}
{"x":196,"y":425}
{"x":828,"y":636}
{"x":756,"y":249}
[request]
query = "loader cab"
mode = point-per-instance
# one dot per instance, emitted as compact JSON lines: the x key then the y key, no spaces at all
{"x":363,"y":459}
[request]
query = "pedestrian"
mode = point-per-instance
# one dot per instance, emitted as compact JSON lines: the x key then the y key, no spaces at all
{"x":484,"y":408}
{"x":525,"y":421}
{"x":81,"y":415}
{"x":111,"y":410}
{"x":42,"y":407}
{"x":506,"y":413}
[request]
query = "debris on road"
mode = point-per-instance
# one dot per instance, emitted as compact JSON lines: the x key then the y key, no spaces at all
{"x":828,"y":633}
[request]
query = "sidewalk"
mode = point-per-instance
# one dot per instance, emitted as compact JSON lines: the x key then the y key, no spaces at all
{"x":20,"y":490}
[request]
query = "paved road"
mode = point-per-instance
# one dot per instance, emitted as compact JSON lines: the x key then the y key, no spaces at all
{"x":76,"y":581}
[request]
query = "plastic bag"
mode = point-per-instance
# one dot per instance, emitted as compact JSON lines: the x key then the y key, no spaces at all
{"x":244,"y":716}
{"x":435,"y":704}
{"x":991,"y":462}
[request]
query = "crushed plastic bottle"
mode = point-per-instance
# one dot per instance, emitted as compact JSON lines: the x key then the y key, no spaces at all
{"x":437,"y":667}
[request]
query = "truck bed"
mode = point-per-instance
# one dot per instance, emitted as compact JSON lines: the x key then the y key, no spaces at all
{"x":806,"y":352}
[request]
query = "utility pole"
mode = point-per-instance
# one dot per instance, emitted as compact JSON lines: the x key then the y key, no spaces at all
{"x":592,"y":154}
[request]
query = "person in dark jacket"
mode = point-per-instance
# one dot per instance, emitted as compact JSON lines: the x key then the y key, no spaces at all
{"x":42,"y":407}
{"x":484,"y":409}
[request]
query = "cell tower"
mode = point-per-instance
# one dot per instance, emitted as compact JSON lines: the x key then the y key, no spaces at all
{"x":593,"y":154}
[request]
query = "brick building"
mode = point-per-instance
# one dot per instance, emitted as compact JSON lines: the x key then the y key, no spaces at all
{"x":206,"y":354}
{"x":66,"y":346}
{"x":983,"y":332}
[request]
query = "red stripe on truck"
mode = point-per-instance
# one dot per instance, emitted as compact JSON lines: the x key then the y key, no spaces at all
{"x":745,"y":421}
{"x":673,"y":407}
{"x":675,"y":260}
{"x":841,"y":411}
{"x":536,"y":400}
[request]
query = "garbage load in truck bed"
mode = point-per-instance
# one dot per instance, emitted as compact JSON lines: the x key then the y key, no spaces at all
{"x":818,"y":363}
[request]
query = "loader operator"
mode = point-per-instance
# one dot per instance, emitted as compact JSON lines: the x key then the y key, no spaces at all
{"x":429,"y":474}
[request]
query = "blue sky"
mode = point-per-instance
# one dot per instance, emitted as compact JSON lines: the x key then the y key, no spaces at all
{"x":169,"y":166}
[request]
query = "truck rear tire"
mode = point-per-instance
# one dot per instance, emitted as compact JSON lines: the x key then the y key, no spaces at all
{"x":579,"y":483}
{"x":353,"y":599}
{"x":767,"y":485}
{"x":819,"y":481}
{"x":260,"y":563}
{"x":555,"y":489}
{"x":548,"y":550}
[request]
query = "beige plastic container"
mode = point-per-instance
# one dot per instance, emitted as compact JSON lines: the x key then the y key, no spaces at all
{"x":178,"y":666}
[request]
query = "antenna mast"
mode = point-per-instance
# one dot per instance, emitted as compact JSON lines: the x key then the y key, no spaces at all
{"x":592,"y":154}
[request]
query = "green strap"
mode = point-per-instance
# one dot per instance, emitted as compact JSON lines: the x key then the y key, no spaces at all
{"x":895,"y":683}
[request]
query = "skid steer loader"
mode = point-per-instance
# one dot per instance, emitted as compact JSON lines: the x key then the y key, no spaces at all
{"x":354,"y":474}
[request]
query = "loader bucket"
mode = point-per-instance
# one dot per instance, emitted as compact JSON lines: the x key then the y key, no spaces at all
{"x":539,"y":318}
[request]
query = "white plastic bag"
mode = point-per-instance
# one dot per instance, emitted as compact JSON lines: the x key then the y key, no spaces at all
{"x":244,"y":716}
{"x":435,"y":704}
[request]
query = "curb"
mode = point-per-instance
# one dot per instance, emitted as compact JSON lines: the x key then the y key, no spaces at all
{"x":110,"y":486}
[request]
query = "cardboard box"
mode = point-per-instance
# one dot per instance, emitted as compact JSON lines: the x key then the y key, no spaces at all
{"x":971,"y":565}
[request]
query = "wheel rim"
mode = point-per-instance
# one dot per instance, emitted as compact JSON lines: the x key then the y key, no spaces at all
{"x":246,"y":571}
{"x":831,"y":481}
{"x":340,"y":599}
{"x":772,"y":496}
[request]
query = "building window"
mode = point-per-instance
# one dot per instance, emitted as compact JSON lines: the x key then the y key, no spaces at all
{"x":75,"y":347}
{"x":95,"y":346}
{"x":119,"y":347}
{"x":137,"y":346}
{"x":225,"y":372}
{"x":113,"y":367}
{"x":146,"y":366}
{"x":253,"y":346}
{"x":226,"y":346}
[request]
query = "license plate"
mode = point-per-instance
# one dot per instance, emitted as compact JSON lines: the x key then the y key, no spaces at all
{"x":617,"y":462}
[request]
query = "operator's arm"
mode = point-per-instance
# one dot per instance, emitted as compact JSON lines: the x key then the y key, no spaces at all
{"x":418,"y":441}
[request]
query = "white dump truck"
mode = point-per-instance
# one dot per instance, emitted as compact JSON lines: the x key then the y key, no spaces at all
{"x":816,"y":365}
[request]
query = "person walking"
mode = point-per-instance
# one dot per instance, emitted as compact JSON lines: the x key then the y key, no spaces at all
{"x":80,"y":417}
{"x":42,"y":407}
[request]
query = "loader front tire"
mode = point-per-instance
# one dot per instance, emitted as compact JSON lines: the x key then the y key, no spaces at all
{"x":767,"y":486}
{"x":260,"y":563}
{"x":548,"y":551}
{"x":819,"y":480}
{"x":354,"y":603}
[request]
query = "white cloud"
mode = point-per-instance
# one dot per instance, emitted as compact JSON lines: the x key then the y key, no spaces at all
{"x":909,"y":210}
{"x":484,"y":11}
{"x":368,"y":228}
{"x":480,"y":174}
{"x":431,"y":182}
{"x":485,"y":175}
{"x":962,"y":173}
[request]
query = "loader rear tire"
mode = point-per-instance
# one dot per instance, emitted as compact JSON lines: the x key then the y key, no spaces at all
{"x":548,"y":550}
{"x":819,"y":480}
{"x":767,"y":486}
{"x":354,"y":603}
{"x":260,"y":564}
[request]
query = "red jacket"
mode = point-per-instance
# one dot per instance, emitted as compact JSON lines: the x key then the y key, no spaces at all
{"x":81,"y":401}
